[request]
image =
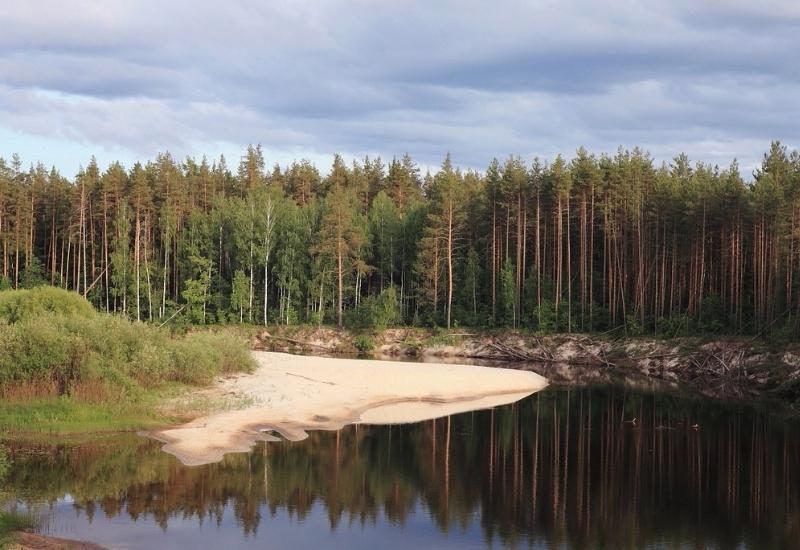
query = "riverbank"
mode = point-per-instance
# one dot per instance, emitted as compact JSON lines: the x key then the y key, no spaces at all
{"x":66,"y":368}
{"x":290,"y":394}
{"x":729,"y":368}
{"x":26,"y":540}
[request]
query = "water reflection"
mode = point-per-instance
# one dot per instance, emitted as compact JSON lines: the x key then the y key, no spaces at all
{"x":564,"y":466}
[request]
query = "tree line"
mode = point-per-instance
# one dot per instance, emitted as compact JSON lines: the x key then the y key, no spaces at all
{"x":588,"y":243}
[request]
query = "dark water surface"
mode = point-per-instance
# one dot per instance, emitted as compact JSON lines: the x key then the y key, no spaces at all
{"x":565,"y":467}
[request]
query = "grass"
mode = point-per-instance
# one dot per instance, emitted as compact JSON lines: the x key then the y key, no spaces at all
{"x":10,"y":523}
{"x":67,"y":415}
{"x":65,"y":368}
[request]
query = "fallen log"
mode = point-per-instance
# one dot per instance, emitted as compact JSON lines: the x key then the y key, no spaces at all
{"x":296,"y":342}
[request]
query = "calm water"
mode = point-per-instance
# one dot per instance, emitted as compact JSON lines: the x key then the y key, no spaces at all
{"x":562,"y":468}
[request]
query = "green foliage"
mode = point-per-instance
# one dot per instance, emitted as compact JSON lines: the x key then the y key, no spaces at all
{"x":69,"y":415}
{"x":10,"y":522}
{"x":712,"y":318}
{"x":53,"y":340}
{"x":200,"y":356}
{"x":195,"y":290}
{"x":377,"y":312}
{"x":385,"y":308}
{"x":385,"y":231}
{"x":17,"y":305}
{"x":363,"y":343}
{"x":605,"y":237}
{"x":121,"y":272}
{"x":440,"y":337}
{"x":507,"y":314}
{"x":470,"y":304}
{"x":290,"y":261}
{"x":544,"y":317}
{"x":240,"y":294}
{"x":677,"y":325}
{"x":632,"y":326}
{"x":32,"y":274}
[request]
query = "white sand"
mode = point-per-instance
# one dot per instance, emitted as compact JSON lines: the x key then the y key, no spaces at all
{"x":292,"y":394}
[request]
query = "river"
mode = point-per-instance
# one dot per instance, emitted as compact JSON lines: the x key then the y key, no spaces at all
{"x":591,"y":467}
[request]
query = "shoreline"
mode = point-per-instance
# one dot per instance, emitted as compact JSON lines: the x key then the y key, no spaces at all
{"x":28,"y":540}
{"x":729,"y":368}
{"x":290,"y":394}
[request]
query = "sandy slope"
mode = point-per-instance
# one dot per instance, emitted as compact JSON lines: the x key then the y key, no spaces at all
{"x":291,"y":394}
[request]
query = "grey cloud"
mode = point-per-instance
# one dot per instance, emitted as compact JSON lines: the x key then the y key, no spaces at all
{"x":356,"y":76}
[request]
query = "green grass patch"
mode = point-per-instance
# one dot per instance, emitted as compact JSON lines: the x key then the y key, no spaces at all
{"x":65,"y":415}
{"x":10,"y":523}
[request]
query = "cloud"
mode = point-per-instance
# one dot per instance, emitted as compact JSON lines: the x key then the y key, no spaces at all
{"x":307,"y":78}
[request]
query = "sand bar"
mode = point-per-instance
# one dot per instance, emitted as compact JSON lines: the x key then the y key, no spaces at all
{"x":290,"y":394}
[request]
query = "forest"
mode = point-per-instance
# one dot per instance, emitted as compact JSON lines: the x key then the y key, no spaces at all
{"x":593,"y":243}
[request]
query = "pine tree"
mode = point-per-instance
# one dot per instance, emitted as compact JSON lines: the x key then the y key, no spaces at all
{"x":340,"y":239}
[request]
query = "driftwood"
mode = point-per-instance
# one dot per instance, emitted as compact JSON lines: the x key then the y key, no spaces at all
{"x":500,"y":351}
{"x":718,"y":364}
{"x":599,"y":358}
{"x":655,"y":356}
{"x":293,"y":341}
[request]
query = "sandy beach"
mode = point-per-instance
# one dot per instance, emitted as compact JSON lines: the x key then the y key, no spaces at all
{"x":289,"y":394}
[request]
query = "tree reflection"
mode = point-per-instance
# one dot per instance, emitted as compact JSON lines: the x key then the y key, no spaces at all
{"x":589,"y":467}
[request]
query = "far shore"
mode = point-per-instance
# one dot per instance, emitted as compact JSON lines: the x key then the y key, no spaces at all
{"x":729,"y":367}
{"x":289,"y":394}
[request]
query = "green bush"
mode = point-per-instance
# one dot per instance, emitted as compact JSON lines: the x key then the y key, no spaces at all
{"x":378,"y":312}
{"x":16,"y":305}
{"x":363,"y":343}
{"x":544,"y":317}
{"x":200,"y":356}
{"x":51,"y":339}
{"x":632,"y":326}
{"x":674,"y":326}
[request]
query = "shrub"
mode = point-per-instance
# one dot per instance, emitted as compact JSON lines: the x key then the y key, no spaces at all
{"x":632,"y":326}
{"x":363,"y":343}
{"x":378,"y":312}
{"x":676,"y":325}
{"x":49,"y":340}
{"x":544,"y":317}
{"x":16,"y":305}
{"x":200,"y":356}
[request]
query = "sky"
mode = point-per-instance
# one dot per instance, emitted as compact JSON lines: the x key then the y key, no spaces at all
{"x":126,"y":79}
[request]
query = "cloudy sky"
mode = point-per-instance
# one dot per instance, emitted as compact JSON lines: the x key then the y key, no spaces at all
{"x":125,"y":79}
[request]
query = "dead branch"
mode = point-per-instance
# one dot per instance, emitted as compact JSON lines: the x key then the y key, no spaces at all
{"x":296,"y":342}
